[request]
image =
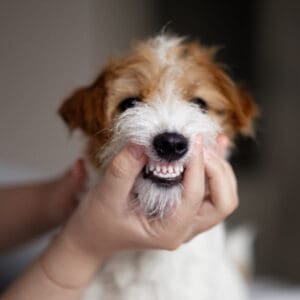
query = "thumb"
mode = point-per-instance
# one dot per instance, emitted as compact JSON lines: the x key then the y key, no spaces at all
{"x":193,"y":181}
{"x":122,"y":171}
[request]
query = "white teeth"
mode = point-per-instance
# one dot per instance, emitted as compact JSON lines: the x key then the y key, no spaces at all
{"x":164,"y":171}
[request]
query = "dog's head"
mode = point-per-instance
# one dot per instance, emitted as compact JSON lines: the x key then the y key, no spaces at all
{"x":161,"y":95}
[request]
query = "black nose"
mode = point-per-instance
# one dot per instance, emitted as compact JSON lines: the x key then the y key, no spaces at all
{"x":170,"y":145}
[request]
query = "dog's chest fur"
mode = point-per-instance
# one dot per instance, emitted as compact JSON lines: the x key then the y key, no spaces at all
{"x":198,"y":270}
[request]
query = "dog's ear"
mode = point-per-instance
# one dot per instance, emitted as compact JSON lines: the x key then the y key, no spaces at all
{"x":84,"y":109}
{"x":245,"y":112}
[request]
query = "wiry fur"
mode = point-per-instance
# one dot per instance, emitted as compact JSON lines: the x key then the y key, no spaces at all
{"x":167,"y":73}
{"x":140,"y":125}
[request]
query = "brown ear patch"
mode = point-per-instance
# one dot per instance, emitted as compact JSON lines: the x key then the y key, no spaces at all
{"x":84,"y":109}
{"x":245,"y":113}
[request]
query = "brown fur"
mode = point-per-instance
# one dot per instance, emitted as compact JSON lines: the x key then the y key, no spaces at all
{"x":142,"y":74}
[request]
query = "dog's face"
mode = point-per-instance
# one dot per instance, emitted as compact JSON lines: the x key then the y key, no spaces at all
{"x":162,"y":95}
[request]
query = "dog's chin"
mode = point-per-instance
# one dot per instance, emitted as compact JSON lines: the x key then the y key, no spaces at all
{"x":159,"y":186}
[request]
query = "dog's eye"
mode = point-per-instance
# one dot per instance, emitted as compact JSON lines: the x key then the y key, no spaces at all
{"x":201,"y":103}
{"x":128,"y":103}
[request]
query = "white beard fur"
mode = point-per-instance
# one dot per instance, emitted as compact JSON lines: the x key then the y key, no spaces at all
{"x":139,"y":125}
{"x":200,"y":269}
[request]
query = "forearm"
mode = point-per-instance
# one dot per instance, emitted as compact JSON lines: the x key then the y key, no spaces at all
{"x":23,"y":213}
{"x":62,"y":272}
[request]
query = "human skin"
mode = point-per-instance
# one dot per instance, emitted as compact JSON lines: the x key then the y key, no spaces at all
{"x":29,"y":210}
{"x":103,"y":224}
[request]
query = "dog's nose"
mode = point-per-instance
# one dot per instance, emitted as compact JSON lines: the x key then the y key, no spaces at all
{"x":170,"y":145}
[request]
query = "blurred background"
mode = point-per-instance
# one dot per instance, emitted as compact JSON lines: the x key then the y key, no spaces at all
{"x":48,"y":48}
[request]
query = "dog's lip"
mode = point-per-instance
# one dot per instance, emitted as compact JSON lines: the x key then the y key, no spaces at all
{"x":164,"y":174}
{"x":163,"y":182}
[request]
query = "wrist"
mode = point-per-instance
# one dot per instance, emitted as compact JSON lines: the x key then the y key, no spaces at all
{"x":89,"y":231}
{"x":67,"y":265}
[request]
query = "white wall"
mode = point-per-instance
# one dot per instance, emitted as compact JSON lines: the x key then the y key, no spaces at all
{"x":47,"y":49}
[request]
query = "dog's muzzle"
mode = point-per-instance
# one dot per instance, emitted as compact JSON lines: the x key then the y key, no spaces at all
{"x":169,"y":147}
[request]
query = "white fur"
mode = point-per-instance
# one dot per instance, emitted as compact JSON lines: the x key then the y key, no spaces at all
{"x":141,"y":124}
{"x":198,"y":270}
{"x":162,"y":45}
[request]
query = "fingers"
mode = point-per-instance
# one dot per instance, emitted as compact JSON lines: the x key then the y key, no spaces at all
{"x":223,"y":198}
{"x":223,"y":145}
{"x":74,"y":182}
{"x":193,"y":182}
{"x":198,"y":213}
{"x":79,"y":172}
{"x":192,"y":196}
{"x":121,"y":173}
{"x":76,"y":177}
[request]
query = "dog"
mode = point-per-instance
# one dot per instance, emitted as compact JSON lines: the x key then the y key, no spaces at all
{"x":161,"y":95}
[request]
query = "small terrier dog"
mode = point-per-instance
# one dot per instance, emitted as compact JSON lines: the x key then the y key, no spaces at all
{"x":161,"y":95}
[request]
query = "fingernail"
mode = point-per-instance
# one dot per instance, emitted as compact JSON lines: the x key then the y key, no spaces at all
{"x":136,"y":151}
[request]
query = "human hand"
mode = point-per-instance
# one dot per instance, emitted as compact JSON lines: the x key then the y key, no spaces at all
{"x":221,"y":197}
{"x":105,"y":212}
{"x":31,"y":209}
{"x":62,"y":194}
{"x":104,"y":224}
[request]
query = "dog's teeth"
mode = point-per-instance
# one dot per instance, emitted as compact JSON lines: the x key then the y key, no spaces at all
{"x":164,"y":170}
